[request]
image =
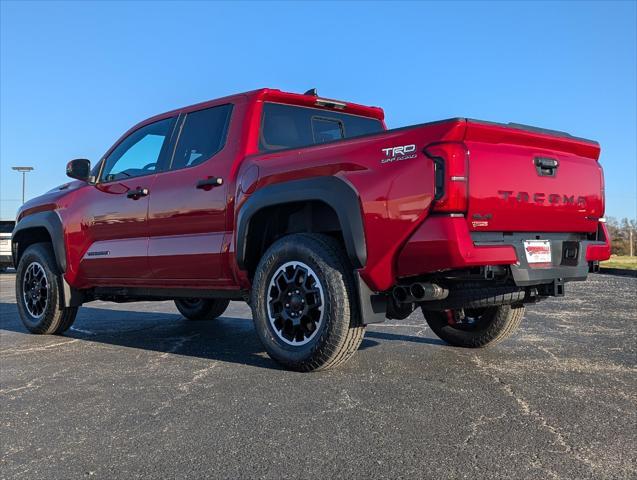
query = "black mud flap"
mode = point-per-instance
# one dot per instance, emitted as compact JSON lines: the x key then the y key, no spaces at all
{"x":373,"y":306}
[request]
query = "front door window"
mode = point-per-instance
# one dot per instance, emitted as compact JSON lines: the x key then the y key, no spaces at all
{"x":139,"y":153}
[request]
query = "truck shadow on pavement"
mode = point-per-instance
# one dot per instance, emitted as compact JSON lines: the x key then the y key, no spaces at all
{"x":226,"y":339}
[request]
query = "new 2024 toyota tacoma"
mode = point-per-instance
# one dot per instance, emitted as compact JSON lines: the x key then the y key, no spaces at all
{"x":321,"y":219}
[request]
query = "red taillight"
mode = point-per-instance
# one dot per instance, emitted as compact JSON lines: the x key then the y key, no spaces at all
{"x":451,"y":160}
{"x":599,"y":251}
{"x":596,"y":253}
{"x":603,"y":193}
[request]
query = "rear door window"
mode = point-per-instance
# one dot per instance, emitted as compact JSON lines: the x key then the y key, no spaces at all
{"x":290,"y":126}
{"x":203,"y":134}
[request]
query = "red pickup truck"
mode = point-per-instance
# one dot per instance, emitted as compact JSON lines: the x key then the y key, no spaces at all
{"x":322,"y":219}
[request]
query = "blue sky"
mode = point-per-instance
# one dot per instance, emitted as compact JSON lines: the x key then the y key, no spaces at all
{"x":74,"y":76}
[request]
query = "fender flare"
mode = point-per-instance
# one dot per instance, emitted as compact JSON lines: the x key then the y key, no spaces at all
{"x":333,"y":191}
{"x":50,"y":221}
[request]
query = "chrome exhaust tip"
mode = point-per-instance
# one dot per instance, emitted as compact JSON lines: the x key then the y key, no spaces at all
{"x":419,"y":292}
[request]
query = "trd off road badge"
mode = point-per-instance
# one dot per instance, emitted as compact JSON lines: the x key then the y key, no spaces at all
{"x":480,"y":220}
{"x":397,"y":154}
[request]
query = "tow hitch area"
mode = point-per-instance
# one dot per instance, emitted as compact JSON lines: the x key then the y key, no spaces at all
{"x":553,"y":289}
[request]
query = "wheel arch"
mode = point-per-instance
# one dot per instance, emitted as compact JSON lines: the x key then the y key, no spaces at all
{"x":321,"y":203}
{"x":36,"y":228}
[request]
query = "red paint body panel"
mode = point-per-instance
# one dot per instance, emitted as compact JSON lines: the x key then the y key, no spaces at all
{"x":185,"y":226}
{"x":181,"y":236}
{"x":394,"y":197}
{"x":504,"y":182}
{"x":104,"y":219}
{"x":443,"y":243}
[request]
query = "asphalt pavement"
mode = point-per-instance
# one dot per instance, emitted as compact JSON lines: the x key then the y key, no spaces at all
{"x":135,"y":391}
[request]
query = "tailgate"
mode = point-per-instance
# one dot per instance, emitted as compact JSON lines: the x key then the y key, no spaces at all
{"x":530,"y":180}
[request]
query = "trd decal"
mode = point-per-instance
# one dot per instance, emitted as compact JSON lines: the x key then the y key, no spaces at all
{"x":396,"y":154}
{"x":480,"y":220}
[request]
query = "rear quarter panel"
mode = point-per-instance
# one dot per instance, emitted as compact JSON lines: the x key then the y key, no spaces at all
{"x":395,"y":196}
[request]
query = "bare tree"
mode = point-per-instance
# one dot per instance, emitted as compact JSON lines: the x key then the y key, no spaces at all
{"x":623,"y":235}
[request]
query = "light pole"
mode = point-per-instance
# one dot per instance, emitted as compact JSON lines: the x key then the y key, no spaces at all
{"x":24,"y":171}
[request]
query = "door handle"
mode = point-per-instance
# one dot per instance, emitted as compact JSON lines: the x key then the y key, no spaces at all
{"x":208,"y":183}
{"x":137,"y":193}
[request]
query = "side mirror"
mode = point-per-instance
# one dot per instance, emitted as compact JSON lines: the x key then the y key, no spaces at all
{"x":80,"y":169}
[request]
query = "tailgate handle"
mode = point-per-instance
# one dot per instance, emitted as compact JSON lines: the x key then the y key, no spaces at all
{"x":546,"y":167}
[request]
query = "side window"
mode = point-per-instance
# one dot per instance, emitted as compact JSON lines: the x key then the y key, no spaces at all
{"x":327,"y":129}
{"x":290,"y":126}
{"x":139,"y":153}
{"x":203,"y":134}
{"x":284,"y":126}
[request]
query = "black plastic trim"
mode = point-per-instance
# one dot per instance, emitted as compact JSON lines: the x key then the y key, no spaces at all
{"x":573,"y":268}
{"x":133,"y":294}
{"x":439,"y":171}
{"x":71,"y":297}
{"x":333,"y":191}
{"x":373,"y":306}
{"x":531,"y":128}
{"x":52,"y":223}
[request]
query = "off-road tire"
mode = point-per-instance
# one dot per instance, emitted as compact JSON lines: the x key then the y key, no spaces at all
{"x":341,"y":330}
{"x":202,"y":308}
{"x":55,"y":318}
{"x":497,"y":324}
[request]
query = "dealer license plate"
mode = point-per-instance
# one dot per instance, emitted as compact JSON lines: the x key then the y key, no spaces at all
{"x":537,"y":251}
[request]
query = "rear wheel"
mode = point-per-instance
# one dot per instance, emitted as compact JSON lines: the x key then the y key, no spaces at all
{"x":38,"y":287}
{"x":303,"y":303}
{"x":201,"y":308}
{"x":475,"y":328}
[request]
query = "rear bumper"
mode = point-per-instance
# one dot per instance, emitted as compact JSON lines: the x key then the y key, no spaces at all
{"x":445,"y":243}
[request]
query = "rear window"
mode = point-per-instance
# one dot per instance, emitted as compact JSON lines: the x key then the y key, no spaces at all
{"x":289,"y":126}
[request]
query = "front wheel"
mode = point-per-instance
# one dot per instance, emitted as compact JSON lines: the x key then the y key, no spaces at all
{"x":475,"y":328}
{"x":303,"y":303}
{"x":38,"y":286}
